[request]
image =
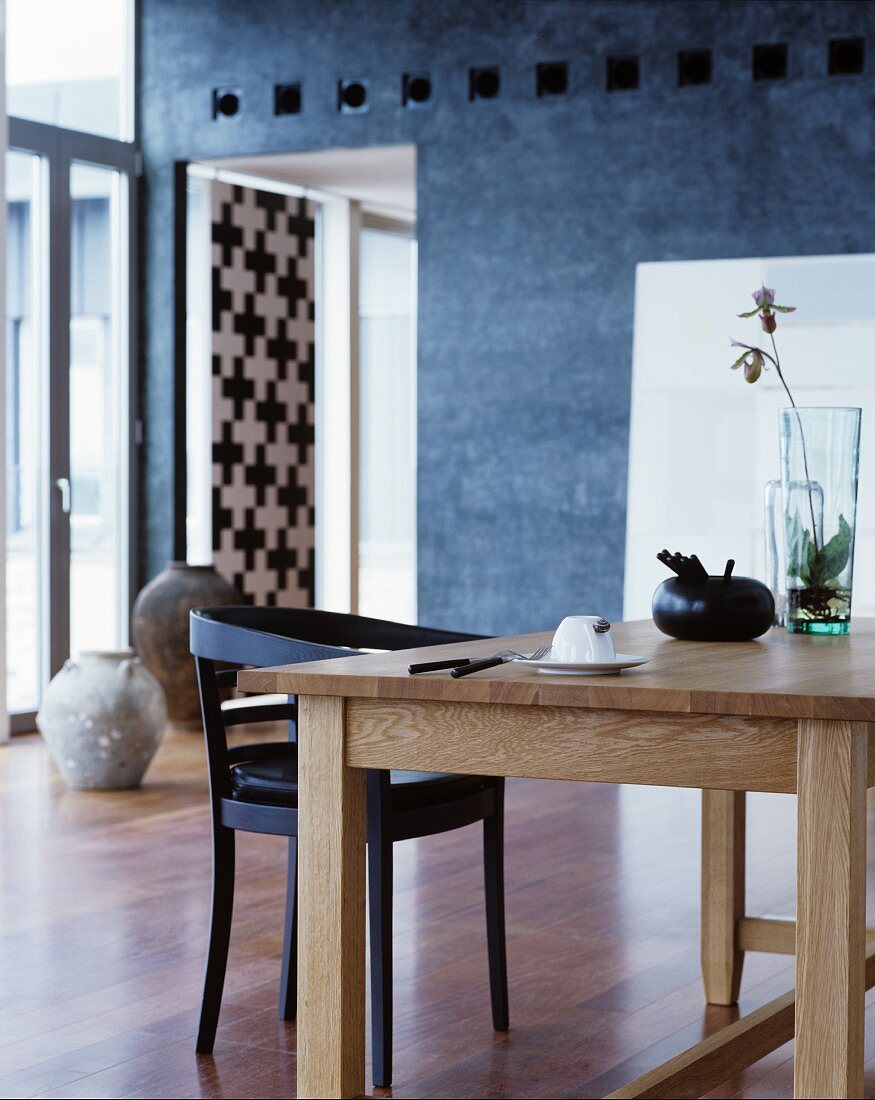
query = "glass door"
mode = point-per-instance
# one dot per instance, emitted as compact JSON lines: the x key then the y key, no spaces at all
{"x":98,"y":435}
{"x":26,"y":469}
{"x":70,"y":403}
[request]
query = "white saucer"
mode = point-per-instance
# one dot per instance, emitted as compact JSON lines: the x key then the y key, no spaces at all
{"x":620,"y":661}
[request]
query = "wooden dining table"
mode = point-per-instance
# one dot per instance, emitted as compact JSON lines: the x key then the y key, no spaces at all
{"x":793,"y":714}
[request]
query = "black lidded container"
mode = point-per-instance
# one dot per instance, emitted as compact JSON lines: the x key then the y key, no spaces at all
{"x":715,"y":609}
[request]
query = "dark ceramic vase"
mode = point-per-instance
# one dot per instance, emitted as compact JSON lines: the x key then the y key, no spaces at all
{"x":160,"y":631}
{"x":714,"y":610}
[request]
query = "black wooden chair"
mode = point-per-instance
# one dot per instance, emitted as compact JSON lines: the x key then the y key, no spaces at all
{"x":254,"y":788}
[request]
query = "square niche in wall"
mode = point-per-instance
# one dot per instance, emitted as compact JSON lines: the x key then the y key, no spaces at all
{"x":287,"y":99}
{"x":622,"y":73}
{"x":847,"y":56}
{"x":770,"y":61}
{"x":703,"y":443}
{"x":694,"y":68}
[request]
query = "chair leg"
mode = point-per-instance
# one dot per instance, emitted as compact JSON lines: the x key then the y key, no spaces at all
{"x":380,"y":875}
{"x":493,"y":865}
{"x":288,"y":1002}
{"x":220,"y":934}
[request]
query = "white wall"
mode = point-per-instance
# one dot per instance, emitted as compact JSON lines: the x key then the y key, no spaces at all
{"x":198,"y":375}
{"x":387,"y":424}
{"x":337,"y":399}
{"x":703,"y":442}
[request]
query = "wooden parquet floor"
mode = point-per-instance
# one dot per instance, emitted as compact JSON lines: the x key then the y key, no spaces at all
{"x":104,"y":902}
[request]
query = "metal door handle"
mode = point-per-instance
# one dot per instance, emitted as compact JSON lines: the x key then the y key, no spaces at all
{"x":62,"y":484}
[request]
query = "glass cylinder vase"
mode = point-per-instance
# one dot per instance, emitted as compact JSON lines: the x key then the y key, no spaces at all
{"x":820,"y":458}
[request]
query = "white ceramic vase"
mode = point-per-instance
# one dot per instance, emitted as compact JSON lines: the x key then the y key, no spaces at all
{"x":103,"y":717}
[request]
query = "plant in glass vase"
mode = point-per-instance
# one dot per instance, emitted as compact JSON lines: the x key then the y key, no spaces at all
{"x":819,"y":466}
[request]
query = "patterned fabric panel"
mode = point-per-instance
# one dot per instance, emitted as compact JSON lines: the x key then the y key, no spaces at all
{"x":263,"y":416}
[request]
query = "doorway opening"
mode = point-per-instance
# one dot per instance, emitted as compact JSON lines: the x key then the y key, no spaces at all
{"x":300,"y":383}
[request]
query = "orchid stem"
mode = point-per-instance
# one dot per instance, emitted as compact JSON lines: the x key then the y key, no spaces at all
{"x":776,"y":360}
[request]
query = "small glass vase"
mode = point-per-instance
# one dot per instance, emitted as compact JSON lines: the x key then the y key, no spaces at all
{"x":820,"y":459}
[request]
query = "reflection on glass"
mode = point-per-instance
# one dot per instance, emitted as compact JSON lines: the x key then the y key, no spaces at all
{"x":387,"y":474}
{"x":24,"y":473}
{"x":68,"y":63}
{"x":98,"y":398}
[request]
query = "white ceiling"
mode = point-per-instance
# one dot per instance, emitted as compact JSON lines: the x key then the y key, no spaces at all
{"x":382,"y":176}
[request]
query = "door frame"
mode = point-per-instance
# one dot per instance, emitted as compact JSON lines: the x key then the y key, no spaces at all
{"x":339,"y":223}
{"x":58,"y":148}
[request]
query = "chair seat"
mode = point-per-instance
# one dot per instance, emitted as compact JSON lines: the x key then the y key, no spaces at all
{"x":274,"y":780}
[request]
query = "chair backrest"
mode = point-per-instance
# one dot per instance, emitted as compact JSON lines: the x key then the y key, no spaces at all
{"x":262,"y":636}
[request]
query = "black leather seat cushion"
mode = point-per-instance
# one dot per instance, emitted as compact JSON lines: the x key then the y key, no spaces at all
{"x":275,"y":780}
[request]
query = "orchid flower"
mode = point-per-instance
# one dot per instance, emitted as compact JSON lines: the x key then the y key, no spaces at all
{"x":753,"y":360}
{"x":766,"y":308}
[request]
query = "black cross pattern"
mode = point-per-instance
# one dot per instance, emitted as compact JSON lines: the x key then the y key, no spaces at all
{"x":222,"y":519}
{"x":292,"y":288}
{"x":282,"y":558}
{"x":307,"y":372}
{"x":292,"y":496}
{"x":227,"y":234}
{"x":223,"y":300}
{"x":272,"y":204}
{"x":249,"y":324}
{"x":249,"y":539}
{"x":260,"y":475}
{"x":270,"y":412}
{"x":301,"y":225}
{"x":227,"y":453}
{"x":263,"y":479}
{"x":281,"y":348}
{"x":301,"y":433}
{"x":259,"y":260}
{"x":238,"y":387}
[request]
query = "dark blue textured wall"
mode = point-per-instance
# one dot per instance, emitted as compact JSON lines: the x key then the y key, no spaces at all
{"x":532,"y":216}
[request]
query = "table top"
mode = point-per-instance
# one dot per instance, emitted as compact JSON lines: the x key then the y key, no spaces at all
{"x":780,"y":675}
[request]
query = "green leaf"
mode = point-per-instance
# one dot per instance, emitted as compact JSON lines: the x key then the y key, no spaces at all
{"x":831,"y":559}
{"x":800,"y":550}
{"x":739,"y":361}
{"x":811,"y":573}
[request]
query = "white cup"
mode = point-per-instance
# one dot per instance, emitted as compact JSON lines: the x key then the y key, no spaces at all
{"x":578,"y":641}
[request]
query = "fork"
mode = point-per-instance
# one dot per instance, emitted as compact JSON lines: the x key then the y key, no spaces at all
{"x":500,"y":659}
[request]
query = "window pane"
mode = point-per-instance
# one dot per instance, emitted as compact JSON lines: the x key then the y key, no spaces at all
{"x":98,"y":418}
{"x":25,"y":483}
{"x":68,"y":63}
{"x":387,"y":365}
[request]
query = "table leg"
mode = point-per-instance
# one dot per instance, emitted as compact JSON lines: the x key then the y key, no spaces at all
{"x":723,"y":819}
{"x":331,"y":906}
{"x":830,"y":908}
